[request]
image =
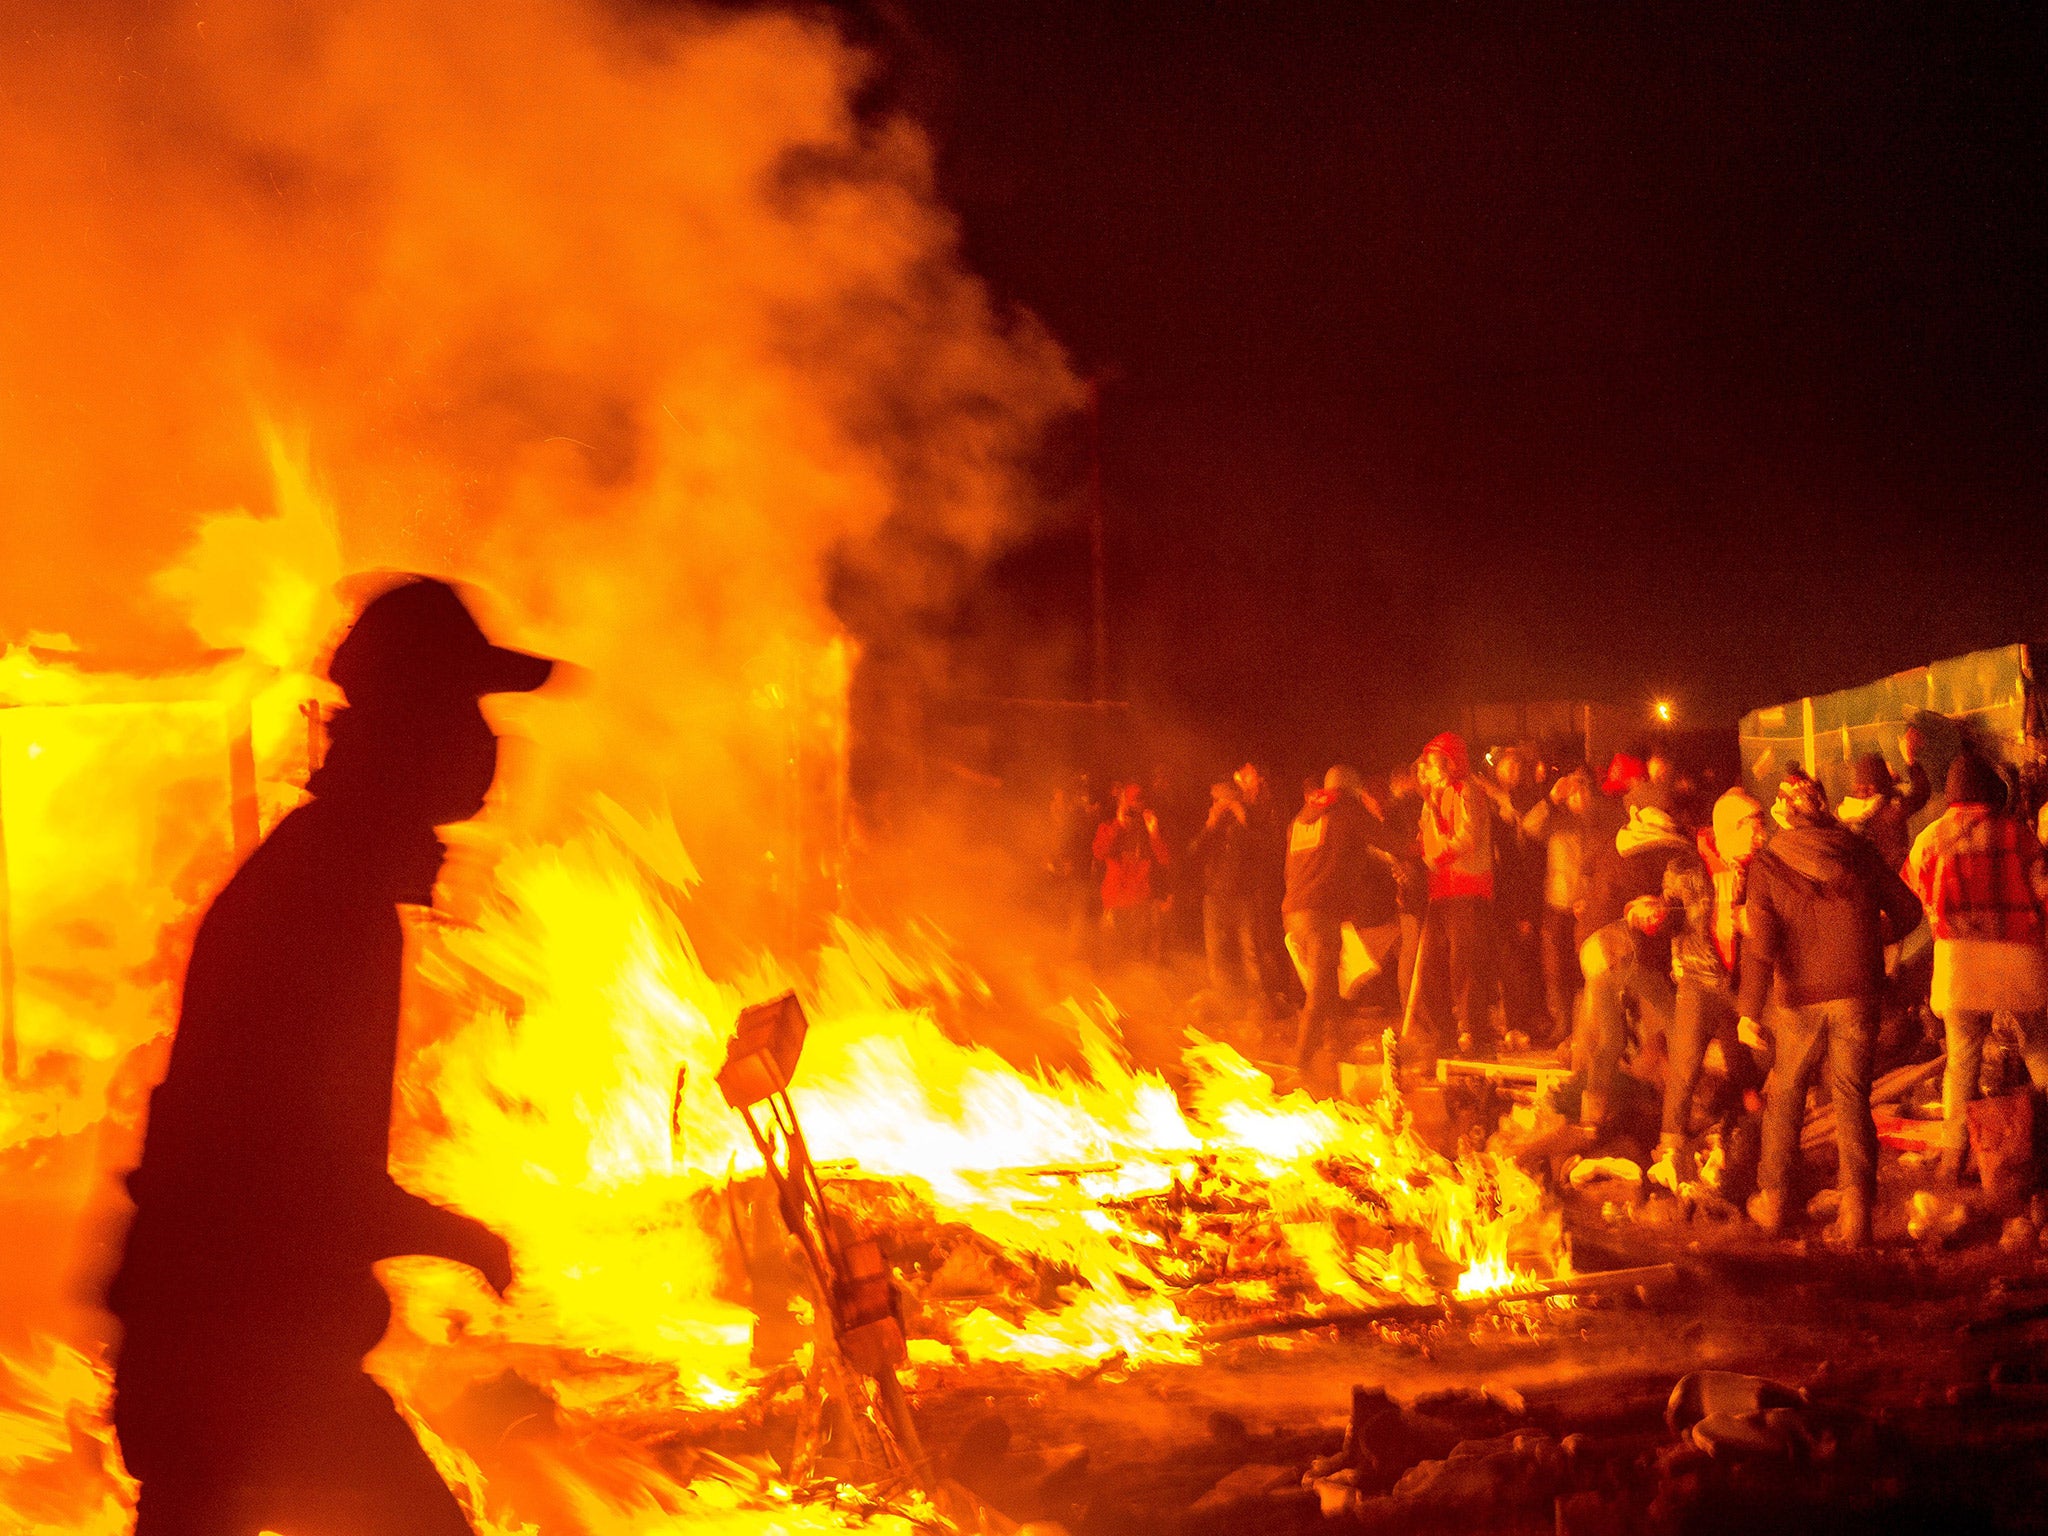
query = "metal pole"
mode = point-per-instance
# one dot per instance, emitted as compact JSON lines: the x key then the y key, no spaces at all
{"x":1414,"y":998}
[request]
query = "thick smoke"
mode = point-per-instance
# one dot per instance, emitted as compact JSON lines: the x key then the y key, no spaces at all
{"x":626,"y":315}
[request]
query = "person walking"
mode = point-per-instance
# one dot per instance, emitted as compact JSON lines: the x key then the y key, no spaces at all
{"x":245,"y":1290}
{"x":1819,"y":908}
{"x":1335,"y":875}
{"x":1981,"y":877}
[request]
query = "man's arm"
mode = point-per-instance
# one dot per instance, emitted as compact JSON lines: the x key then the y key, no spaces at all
{"x":412,"y":1225}
{"x":1759,"y":944}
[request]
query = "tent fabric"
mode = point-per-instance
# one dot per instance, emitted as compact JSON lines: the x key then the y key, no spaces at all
{"x":1986,"y":698}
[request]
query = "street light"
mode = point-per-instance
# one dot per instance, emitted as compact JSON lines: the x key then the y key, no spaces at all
{"x":1662,"y":709}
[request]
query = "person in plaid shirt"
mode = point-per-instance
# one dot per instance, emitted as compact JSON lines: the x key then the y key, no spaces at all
{"x":1981,"y":875}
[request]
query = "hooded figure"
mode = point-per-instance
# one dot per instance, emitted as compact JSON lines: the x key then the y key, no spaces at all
{"x":1820,"y":907}
{"x":1981,"y":877}
{"x":1454,"y":966}
{"x":262,"y":1199}
{"x":1882,"y":808}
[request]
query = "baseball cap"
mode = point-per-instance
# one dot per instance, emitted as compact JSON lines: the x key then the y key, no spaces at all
{"x":417,"y":642}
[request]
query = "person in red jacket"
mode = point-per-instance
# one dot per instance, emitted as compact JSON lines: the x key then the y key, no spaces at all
{"x":1131,"y":850}
{"x":1980,"y":874}
{"x":1454,"y":984}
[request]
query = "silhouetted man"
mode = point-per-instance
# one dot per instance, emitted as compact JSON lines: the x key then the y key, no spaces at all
{"x":246,"y":1292}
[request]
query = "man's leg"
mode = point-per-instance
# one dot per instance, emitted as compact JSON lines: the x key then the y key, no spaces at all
{"x":1689,"y":1034}
{"x":1472,"y":972}
{"x":1966,"y":1032}
{"x":1852,"y":1048}
{"x":297,"y":1441}
{"x":1251,"y":958}
{"x":1601,"y":1035}
{"x":1216,"y":937}
{"x":1150,"y":919}
{"x":1110,"y":951}
{"x":167,"y":1507}
{"x":364,"y":1473}
{"x":1518,"y":949}
{"x":1317,"y":938}
{"x":1433,"y":1024}
{"x":1560,"y":969}
{"x":1802,"y":1041}
{"x":1656,"y":1000}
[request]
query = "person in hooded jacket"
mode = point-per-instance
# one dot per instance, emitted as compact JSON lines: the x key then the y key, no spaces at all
{"x":1625,"y":954}
{"x":1704,"y":892}
{"x":1820,"y":906}
{"x":1337,"y":873}
{"x":1880,"y":807}
{"x":1984,"y":883}
{"x":1455,"y":962}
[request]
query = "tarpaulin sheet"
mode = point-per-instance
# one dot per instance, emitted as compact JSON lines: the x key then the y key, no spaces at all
{"x":1985,"y":697}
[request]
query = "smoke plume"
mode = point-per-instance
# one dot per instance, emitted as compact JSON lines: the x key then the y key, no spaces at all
{"x":626,"y":314}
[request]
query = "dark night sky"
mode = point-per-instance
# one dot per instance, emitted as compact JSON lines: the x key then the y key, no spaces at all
{"x":1495,"y":352}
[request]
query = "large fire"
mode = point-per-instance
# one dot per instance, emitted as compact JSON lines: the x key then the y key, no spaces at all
{"x":559,"y":1085}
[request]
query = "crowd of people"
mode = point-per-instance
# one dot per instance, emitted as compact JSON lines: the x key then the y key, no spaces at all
{"x":1698,"y":961}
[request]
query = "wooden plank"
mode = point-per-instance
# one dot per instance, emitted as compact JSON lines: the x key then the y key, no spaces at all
{"x":1599,"y":1283}
{"x":1503,"y":1071}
